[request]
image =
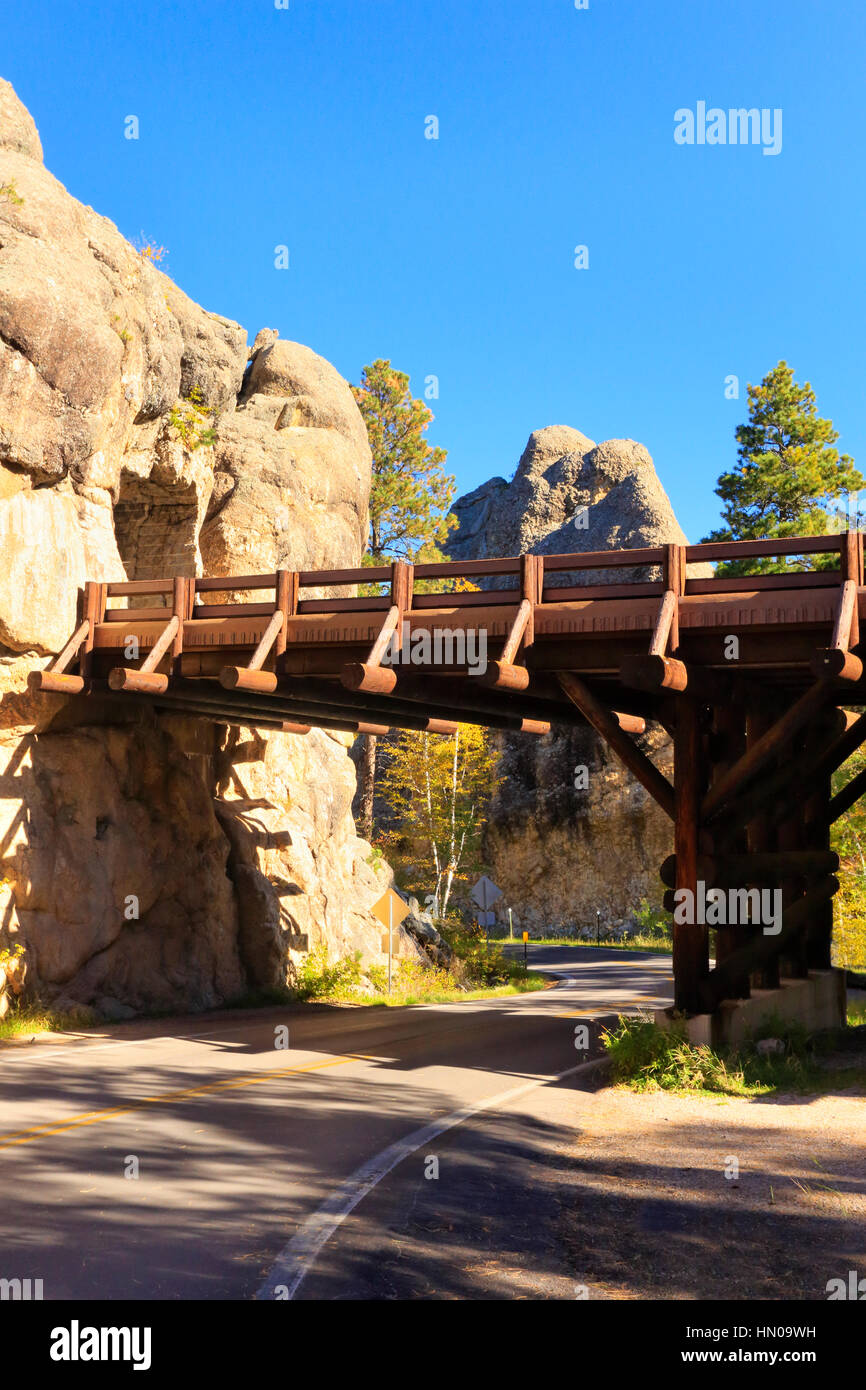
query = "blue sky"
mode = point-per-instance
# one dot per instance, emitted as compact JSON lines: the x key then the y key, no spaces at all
{"x":305,"y":127}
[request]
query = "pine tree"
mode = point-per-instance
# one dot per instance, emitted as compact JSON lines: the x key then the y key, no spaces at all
{"x":411,"y":494}
{"x":787,"y":473}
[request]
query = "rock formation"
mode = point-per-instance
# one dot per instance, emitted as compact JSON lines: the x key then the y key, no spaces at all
{"x":558,"y":852}
{"x":156,"y":862}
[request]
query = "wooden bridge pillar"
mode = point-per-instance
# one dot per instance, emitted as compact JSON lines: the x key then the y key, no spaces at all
{"x":690,"y":939}
{"x":730,"y":737}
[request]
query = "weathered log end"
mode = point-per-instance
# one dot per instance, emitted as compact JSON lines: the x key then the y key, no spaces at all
{"x":837,"y":664}
{"x":534,"y":726}
{"x":502,"y":675}
{"x":645,"y":671}
{"x":56,"y":683}
{"x":375,"y":680}
{"x":144,"y":682}
{"x":240,"y":678}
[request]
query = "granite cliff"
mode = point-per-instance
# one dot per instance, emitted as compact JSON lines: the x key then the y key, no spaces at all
{"x":140,"y":437}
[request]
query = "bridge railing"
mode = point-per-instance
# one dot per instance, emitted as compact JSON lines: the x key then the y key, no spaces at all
{"x":508,"y":569}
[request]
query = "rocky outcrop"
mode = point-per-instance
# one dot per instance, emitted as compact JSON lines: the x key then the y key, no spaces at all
{"x":155,"y":862}
{"x":560,"y":850}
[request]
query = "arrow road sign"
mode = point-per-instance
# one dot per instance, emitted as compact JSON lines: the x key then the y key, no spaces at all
{"x":390,"y":909}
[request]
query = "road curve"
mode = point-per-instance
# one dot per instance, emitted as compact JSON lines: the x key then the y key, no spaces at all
{"x":180,"y":1159}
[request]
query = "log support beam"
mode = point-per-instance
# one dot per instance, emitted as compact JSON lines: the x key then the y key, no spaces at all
{"x":606,"y":723}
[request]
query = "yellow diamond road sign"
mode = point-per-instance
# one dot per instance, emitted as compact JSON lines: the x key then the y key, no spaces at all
{"x":390,"y":909}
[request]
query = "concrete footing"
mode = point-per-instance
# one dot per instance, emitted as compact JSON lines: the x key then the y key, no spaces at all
{"x":815,"y":1002}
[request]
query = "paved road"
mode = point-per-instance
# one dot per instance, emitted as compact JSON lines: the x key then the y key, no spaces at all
{"x":249,"y":1155}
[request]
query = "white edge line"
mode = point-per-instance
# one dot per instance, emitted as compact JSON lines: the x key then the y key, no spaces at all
{"x":297,"y":1258}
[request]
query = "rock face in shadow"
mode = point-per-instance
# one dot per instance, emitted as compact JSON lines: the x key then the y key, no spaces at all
{"x":158,"y":862}
{"x":558,"y":851}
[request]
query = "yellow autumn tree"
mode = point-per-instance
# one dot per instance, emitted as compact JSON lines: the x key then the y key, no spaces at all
{"x":437,"y":791}
{"x":849,"y":905}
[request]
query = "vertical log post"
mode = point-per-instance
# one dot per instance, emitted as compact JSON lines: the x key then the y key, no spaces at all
{"x":791,"y":834}
{"x":287,"y":603}
{"x":817,"y":829}
{"x":674,"y":581}
{"x":402,"y":583}
{"x":690,"y":950}
{"x":759,"y":837}
{"x":95,"y":598}
{"x":730,"y":734}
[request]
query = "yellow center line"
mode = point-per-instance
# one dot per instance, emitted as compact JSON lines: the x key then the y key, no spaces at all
{"x":94,"y":1117}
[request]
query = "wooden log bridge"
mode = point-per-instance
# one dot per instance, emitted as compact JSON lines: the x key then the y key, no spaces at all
{"x":755,"y":678}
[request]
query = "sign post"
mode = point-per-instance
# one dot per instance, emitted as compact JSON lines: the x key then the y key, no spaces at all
{"x":390,"y":910}
{"x":484,"y":895}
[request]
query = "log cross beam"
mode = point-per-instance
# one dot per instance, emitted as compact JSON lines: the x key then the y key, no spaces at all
{"x":607,"y":723}
{"x":371,"y":675}
{"x":147,"y":680}
{"x":275,"y":636}
{"x":773,"y":743}
{"x":798,"y":921}
{"x":838,"y":660}
{"x":504,"y":674}
{"x":844,"y":799}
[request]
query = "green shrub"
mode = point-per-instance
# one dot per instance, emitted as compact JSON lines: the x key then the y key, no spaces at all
{"x":646,"y":1057}
{"x":193,"y":420}
{"x":11,"y":194}
{"x":318,"y":977}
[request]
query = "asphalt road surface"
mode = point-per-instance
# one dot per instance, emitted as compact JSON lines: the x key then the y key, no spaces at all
{"x":385,"y":1153}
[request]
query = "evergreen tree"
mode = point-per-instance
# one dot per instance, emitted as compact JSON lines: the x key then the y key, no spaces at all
{"x":788,"y":473}
{"x":411,"y":493}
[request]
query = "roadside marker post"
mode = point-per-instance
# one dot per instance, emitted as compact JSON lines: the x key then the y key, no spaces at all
{"x":390,"y":910}
{"x":525,"y":939}
{"x":510,"y":926}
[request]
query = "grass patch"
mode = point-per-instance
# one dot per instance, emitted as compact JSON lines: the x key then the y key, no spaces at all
{"x":645,"y":1057}
{"x":856,"y":1013}
{"x":640,"y":942}
{"x":35,"y":1018}
{"x":475,"y":973}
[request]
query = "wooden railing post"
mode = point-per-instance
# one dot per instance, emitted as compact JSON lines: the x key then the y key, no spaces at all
{"x":95,"y":597}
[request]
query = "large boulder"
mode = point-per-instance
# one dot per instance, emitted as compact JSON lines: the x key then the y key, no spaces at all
{"x":558,"y":851}
{"x":158,"y":862}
